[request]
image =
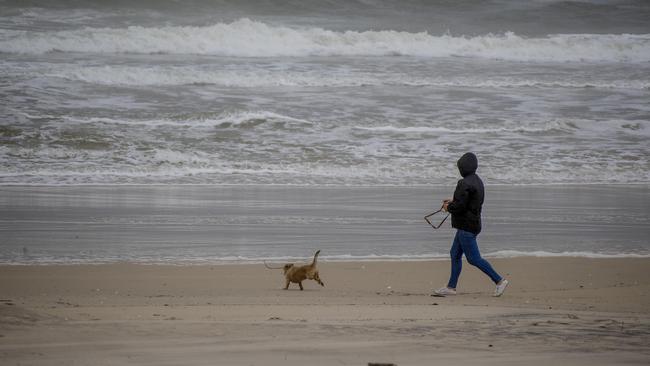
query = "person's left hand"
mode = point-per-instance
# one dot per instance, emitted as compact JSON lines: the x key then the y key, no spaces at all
{"x":445,"y":203}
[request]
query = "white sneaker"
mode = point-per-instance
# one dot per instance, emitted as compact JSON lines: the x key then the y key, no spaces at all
{"x":444,"y":291}
{"x":500,"y":288}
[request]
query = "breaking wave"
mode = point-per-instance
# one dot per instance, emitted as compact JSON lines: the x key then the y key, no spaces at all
{"x":249,"y":38}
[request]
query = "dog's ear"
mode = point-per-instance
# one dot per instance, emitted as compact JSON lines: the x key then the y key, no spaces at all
{"x":287,"y":266}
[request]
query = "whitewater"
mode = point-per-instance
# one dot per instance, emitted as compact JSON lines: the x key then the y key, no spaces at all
{"x":248,"y":38}
{"x":128,"y":99}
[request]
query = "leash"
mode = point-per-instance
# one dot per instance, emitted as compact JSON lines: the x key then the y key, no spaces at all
{"x":269,"y":267}
{"x":426,"y":218}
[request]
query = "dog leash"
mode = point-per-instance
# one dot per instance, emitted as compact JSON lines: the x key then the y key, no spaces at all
{"x":426,"y":218}
{"x":269,"y":267}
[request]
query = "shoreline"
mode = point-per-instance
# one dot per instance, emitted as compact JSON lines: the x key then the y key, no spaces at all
{"x":304,"y":185}
{"x":503,"y":254}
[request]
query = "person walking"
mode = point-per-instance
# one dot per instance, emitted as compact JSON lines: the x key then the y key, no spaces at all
{"x":465,"y":208}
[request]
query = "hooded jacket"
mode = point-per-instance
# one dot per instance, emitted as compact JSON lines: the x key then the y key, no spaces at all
{"x":467,"y":204}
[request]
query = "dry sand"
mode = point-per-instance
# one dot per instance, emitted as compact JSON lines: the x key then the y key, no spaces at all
{"x":571,"y":311}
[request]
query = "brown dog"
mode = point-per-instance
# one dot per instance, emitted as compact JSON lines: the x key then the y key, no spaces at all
{"x":297,"y":274}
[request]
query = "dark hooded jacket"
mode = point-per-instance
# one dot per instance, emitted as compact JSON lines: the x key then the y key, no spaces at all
{"x":466,"y":206}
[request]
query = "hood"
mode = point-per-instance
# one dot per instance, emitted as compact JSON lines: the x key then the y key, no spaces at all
{"x":467,"y":164}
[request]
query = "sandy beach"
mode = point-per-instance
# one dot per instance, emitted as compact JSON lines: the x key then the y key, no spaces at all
{"x":153,"y":154}
{"x":574,"y":311}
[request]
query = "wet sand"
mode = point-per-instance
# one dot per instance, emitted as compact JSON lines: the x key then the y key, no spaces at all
{"x":573,"y":311}
{"x":179,"y":224}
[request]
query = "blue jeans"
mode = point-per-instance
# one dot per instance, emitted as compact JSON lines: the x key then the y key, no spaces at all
{"x":465,"y":242}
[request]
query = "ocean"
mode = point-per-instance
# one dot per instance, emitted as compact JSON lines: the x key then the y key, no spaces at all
{"x":206,"y":96}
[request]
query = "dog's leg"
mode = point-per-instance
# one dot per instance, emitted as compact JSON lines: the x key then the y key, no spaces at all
{"x":287,"y":286}
{"x":300,"y":284}
{"x":317,"y":278}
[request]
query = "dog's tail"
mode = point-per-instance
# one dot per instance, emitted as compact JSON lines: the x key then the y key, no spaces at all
{"x":313,"y":263}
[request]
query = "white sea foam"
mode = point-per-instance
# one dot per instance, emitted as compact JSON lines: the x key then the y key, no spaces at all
{"x":184,"y":171}
{"x":183,"y":259}
{"x":572,"y":125}
{"x":446,"y":130}
{"x":247,"y":38}
{"x":173,"y":75}
{"x":238,"y":118}
{"x":225,"y":119}
{"x":91,"y":150}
